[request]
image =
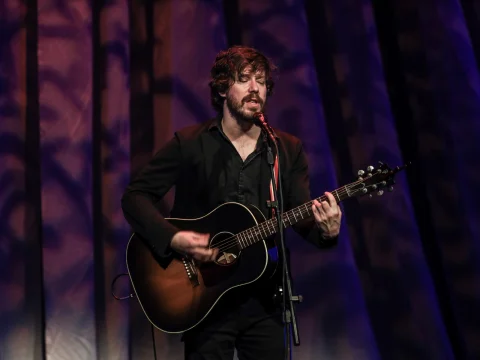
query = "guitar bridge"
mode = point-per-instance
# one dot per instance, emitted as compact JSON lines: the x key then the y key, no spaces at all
{"x":191,"y":271}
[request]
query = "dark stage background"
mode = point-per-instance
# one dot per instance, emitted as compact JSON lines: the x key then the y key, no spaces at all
{"x":89,"y":90}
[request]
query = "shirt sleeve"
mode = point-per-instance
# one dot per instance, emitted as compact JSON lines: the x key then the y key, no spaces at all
{"x":298,"y":193}
{"x":146,"y":190}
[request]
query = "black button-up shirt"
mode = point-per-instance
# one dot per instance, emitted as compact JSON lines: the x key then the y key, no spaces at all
{"x":240,"y":179}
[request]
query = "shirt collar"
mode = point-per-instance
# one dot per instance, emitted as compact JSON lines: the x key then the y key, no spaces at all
{"x":216,"y":124}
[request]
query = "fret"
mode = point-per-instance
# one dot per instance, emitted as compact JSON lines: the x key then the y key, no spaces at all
{"x":294,"y":216}
{"x":262,"y":228}
{"x":266,"y":230}
{"x":257,"y":232}
{"x":301,"y":214}
{"x":243,"y":241}
{"x":239,"y":241}
{"x":348,"y":193}
{"x":247,"y":236}
{"x":288,"y":217}
{"x":273,"y":222}
{"x":267,"y":223}
{"x":252,"y":236}
{"x":335,"y":192}
{"x":270,"y":232}
{"x":307,"y":209}
{"x":273,"y":227}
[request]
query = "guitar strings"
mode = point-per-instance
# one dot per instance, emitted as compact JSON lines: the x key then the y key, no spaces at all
{"x":235,"y":240}
{"x":265,"y":226}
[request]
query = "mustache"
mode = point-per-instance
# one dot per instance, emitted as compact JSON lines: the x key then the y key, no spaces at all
{"x":252,"y":97}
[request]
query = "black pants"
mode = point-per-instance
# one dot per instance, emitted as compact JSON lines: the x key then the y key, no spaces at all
{"x":252,"y":326}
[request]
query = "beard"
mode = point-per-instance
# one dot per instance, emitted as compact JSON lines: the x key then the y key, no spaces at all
{"x":239,"y":112}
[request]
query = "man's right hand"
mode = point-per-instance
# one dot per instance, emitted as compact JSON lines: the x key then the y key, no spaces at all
{"x":194,"y":244}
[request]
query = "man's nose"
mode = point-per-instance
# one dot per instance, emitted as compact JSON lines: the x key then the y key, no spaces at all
{"x":253,"y":86}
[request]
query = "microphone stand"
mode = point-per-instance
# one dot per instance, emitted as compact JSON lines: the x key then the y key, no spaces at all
{"x":289,"y":317}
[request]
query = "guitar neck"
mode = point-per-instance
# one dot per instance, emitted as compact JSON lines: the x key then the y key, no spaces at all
{"x":289,"y":218}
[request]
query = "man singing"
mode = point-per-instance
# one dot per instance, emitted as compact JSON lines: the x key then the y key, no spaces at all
{"x":225,"y":160}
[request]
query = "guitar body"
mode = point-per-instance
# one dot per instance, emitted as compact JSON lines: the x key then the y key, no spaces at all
{"x":176,"y":294}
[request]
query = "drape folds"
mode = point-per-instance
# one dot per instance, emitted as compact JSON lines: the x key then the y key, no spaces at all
{"x":90,"y":89}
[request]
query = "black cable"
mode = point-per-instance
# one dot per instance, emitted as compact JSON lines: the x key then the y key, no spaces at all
{"x":113,"y":292}
{"x":153,"y":341}
{"x":129,"y":297}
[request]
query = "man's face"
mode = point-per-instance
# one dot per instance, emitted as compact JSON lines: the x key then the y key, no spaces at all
{"x":247,"y":95}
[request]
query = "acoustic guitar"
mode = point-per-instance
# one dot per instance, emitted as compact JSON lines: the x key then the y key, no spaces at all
{"x":177,"y":293}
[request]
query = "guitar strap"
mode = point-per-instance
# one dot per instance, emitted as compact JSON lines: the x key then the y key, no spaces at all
{"x":272,"y":197}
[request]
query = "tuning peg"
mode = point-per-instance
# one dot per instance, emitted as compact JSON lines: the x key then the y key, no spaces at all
{"x":360,"y":172}
{"x":390,"y":188}
{"x":370,"y":168}
{"x":380,"y":192}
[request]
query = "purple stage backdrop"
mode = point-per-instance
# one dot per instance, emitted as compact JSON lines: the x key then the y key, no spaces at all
{"x":90,"y":89}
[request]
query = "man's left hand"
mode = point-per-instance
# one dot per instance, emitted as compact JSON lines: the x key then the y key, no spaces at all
{"x":328,"y":216}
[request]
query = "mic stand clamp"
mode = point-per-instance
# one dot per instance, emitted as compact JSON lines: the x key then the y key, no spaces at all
{"x":289,"y":317}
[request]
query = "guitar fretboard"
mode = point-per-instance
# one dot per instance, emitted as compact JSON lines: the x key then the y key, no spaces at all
{"x":269,"y":227}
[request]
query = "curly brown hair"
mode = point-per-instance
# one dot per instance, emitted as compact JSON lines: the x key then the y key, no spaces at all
{"x":233,"y":61}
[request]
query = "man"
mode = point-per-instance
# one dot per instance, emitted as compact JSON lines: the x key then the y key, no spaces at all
{"x":224,"y":160}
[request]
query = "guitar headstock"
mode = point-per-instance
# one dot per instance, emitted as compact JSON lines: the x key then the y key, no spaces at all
{"x":374,"y":180}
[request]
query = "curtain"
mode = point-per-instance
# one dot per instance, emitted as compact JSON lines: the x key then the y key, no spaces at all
{"x":90,"y":89}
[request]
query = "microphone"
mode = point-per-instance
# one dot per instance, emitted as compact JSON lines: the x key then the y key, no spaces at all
{"x":259,"y":120}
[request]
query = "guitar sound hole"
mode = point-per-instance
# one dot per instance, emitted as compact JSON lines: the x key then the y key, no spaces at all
{"x":229,"y":251}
